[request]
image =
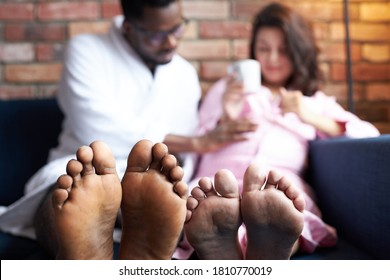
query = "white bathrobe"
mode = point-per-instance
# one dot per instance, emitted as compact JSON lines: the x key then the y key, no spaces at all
{"x":107,"y":93}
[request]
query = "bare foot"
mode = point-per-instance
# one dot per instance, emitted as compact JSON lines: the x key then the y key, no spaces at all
{"x":86,"y":204}
{"x":273,"y":216}
{"x":153,"y":204}
{"x":213,"y":218}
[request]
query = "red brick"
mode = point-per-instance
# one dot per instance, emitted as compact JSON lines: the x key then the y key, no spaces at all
{"x":206,"y":9}
{"x":49,"y":52}
{"x":378,"y":91}
{"x":321,"y":30}
{"x":376,"y":53}
{"x":317,"y":11}
{"x":325,"y":69}
{"x":361,"y":72}
{"x":30,"y":73}
{"x":211,"y":71}
{"x":224,"y":29}
{"x":338,"y":90}
{"x":16,"y":92}
{"x":45,"y":91}
{"x":16,"y":52}
{"x":375,"y":11}
{"x":191,"y":31}
{"x":383,"y":127}
{"x":76,"y":28}
{"x":68,"y":11}
{"x":246,"y":9}
{"x":372,"y":32}
{"x":211,"y":49}
{"x":337,"y":52}
{"x":240,"y":49}
{"x":205,"y":88}
{"x":35,"y":32}
{"x":110,"y":9}
{"x":372,"y":111}
{"x":16,"y":12}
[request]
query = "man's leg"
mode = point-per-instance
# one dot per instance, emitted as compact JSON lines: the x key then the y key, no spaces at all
{"x":77,"y":218}
{"x":153,"y":203}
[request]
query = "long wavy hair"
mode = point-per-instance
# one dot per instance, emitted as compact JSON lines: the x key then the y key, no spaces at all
{"x":307,"y":76}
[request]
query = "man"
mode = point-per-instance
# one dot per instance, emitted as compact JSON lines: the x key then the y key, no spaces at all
{"x":119,"y":88}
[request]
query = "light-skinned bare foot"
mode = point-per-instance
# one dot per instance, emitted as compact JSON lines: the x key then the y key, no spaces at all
{"x":153,"y":204}
{"x":86,"y":202}
{"x":213,"y":218}
{"x":272,"y":211}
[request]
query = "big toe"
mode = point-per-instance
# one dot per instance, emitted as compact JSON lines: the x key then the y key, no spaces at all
{"x":226,"y":184}
{"x":140,"y":156}
{"x":254,"y":178}
{"x":103,"y":159}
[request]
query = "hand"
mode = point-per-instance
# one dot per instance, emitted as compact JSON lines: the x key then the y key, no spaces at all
{"x":292,"y":102}
{"x":233,"y":99}
{"x":226,"y":132}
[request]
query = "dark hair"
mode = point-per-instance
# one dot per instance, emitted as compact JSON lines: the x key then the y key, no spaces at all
{"x":301,"y":45}
{"x":133,"y":9}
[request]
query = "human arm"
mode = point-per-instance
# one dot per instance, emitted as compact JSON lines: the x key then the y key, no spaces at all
{"x":292,"y":101}
{"x":327,"y":108}
{"x":213,"y":131}
{"x":226,"y":132}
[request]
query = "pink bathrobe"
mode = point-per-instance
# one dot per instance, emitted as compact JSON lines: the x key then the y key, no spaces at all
{"x":280,"y":143}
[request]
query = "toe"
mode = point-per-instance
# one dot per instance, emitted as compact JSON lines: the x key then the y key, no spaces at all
{"x":273,"y":180}
{"x":198,"y":194}
{"x":226,"y":184}
{"x":64,"y":182}
{"x":206,"y":186}
{"x":85,"y":155}
{"x":140,"y":156}
{"x":254,"y":179}
{"x":159,"y":151}
{"x":168,"y":162}
{"x":103,"y":159}
{"x":74,"y":169}
{"x":59,"y":196}
{"x":192,"y":203}
{"x":176,"y":174}
{"x":292,"y":193}
{"x":181,"y":189}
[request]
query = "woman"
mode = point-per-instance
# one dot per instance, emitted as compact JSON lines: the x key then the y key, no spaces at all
{"x":290,"y":110}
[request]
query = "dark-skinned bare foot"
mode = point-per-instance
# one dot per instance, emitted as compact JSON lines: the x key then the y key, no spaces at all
{"x":272,"y":211}
{"x":86,"y":202}
{"x":153,"y":204}
{"x":213,"y":218}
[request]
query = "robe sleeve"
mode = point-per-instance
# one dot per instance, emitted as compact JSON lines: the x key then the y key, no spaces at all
{"x":354,"y":127}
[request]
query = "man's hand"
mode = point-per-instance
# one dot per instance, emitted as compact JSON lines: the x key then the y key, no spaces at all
{"x":226,"y":132}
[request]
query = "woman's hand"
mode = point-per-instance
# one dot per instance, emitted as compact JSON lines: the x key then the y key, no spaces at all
{"x":292,"y":102}
{"x":233,"y":99}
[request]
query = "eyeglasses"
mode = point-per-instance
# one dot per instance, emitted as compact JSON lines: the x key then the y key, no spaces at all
{"x":157,"y":38}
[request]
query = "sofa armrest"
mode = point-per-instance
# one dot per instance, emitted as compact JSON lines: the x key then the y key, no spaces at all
{"x":352,"y":180}
{"x":28,"y":129}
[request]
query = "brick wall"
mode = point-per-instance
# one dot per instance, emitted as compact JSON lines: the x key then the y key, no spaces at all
{"x":33,"y":33}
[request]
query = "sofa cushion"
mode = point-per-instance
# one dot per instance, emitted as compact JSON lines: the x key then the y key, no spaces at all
{"x":351,"y":178}
{"x":28,"y":128}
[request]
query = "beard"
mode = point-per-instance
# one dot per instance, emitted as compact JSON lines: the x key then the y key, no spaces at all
{"x":160,"y":58}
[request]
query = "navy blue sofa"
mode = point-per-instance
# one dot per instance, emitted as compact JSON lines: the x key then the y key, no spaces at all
{"x":351,"y":178}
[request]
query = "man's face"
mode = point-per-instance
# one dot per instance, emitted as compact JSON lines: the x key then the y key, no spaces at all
{"x":155,"y":37}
